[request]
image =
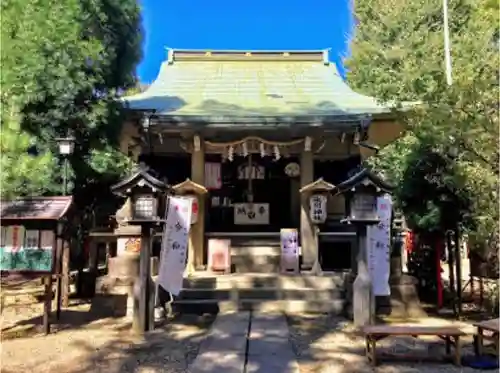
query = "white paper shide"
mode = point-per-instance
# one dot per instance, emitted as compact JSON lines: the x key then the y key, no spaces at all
{"x":174,"y":244}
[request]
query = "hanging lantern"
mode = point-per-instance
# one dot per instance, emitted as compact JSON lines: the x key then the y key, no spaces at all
{"x":230,"y":153}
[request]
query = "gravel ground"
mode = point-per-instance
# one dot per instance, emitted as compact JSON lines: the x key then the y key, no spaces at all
{"x":104,"y":345}
{"x":327,"y":344}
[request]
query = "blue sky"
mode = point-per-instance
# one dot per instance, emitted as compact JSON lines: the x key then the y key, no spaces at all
{"x":256,"y":24}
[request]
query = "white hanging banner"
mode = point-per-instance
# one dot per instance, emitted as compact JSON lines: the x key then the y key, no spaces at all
{"x":378,"y":239}
{"x":213,"y":177}
{"x":289,"y":250}
{"x":174,"y":244}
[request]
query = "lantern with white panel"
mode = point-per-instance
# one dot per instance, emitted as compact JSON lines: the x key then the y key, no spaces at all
{"x":195,"y":192}
{"x":317,"y":193}
{"x":361,"y":193}
{"x":145,"y":194}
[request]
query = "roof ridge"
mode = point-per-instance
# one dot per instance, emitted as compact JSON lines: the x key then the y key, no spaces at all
{"x":247,"y":55}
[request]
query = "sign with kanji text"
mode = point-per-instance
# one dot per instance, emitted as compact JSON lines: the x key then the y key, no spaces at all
{"x":289,"y":250}
{"x":26,"y":250}
{"x":317,"y":208}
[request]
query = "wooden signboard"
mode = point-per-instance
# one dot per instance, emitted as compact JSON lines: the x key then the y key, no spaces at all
{"x":219,"y":255}
{"x":251,"y":213}
{"x":28,"y":245}
{"x":27,"y":250}
{"x":289,"y":250}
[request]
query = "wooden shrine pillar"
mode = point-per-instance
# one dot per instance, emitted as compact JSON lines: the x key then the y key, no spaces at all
{"x":307,"y":229}
{"x":197,"y":241}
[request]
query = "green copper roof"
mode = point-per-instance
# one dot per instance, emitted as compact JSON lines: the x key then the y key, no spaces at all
{"x":251,"y":85}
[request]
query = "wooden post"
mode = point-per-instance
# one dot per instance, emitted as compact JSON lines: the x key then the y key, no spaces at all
{"x":58,"y":270}
{"x":93,"y":262}
{"x":458,"y":264}
{"x":439,"y":282}
{"x":363,"y":298}
{"x":48,"y":304}
{"x":65,"y":273}
{"x":197,"y":234}
{"x":451,"y":272}
{"x":308,"y":240}
{"x":141,"y":287}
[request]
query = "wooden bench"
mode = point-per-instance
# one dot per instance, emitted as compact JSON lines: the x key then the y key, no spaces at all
{"x":490,"y":326}
{"x":450,"y":334}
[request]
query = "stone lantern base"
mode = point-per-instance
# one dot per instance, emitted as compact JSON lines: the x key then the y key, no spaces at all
{"x":402,"y":303}
{"x":117,"y":287}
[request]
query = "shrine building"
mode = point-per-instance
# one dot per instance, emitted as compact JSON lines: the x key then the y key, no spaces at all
{"x":254,"y":128}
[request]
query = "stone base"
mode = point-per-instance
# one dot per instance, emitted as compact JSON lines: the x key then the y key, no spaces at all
{"x":128,"y":230}
{"x":123,"y":266}
{"x":404,"y":298}
{"x":402,"y":303}
{"x":116,"y":294}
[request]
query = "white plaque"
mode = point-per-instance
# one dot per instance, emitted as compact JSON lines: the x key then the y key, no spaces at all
{"x":251,"y":213}
{"x":174,"y":244}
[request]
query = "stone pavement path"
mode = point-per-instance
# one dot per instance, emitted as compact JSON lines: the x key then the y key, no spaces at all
{"x":269,"y":348}
{"x":245,"y":343}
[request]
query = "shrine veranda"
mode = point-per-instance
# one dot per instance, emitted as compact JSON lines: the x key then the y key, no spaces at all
{"x":254,"y":128}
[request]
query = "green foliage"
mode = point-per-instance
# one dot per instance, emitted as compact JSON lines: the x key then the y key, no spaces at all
{"x":398,"y":55}
{"x":64,"y":63}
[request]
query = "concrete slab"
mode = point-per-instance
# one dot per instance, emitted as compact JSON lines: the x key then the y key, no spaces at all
{"x":223,"y":351}
{"x":218,"y":362}
{"x":269,"y":332}
{"x":231,"y":343}
{"x":278,"y":364}
{"x":270,"y":347}
{"x":231,"y":324}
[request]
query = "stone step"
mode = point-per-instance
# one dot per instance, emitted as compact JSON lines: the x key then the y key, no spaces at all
{"x":251,"y":240}
{"x":307,"y":294}
{"x":206,"y":280}
{"x":256,"y":250}
{"x":288,"y":306}
{"x":255,"y":263}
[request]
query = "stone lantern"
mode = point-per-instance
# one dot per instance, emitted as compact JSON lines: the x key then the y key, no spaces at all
{"x":143,"y":209}
{"x":195,"y":192}
{"x":361,"y":192}
{"x":317,"y":193}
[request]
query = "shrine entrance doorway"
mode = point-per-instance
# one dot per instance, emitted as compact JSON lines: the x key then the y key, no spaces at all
{"x":256,"y":196}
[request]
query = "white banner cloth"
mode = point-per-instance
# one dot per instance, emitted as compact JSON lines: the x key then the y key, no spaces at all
{"x":174,"y":244}
{"x":379,"y":243}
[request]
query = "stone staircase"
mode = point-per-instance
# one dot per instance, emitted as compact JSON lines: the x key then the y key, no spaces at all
{"x":211,"y":293}
{"x":255,"y":255}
